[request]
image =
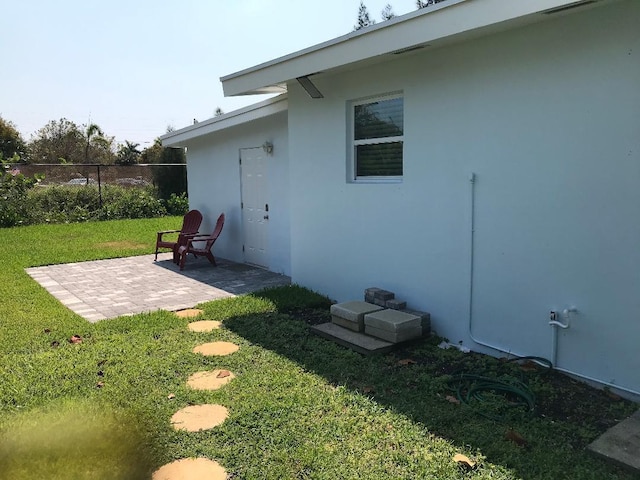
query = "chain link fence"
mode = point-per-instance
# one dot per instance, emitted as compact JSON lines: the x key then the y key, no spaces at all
{"x":167,"y":178}
{"x":140,"y":175}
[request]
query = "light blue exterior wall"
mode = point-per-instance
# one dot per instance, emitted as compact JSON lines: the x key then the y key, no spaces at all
{"x":548,"y":119}
{"x":213,"y":176}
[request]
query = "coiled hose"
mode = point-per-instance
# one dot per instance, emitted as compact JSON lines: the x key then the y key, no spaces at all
{"x":484,"y":394}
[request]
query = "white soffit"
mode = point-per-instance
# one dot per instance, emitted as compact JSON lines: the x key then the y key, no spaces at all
{"x":256,"y":111}
{"x":437,"y":25}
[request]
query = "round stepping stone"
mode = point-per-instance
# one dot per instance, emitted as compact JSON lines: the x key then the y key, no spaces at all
{"x":204,"y":326}
{"x":199,"y":417}
{"x":191,"y":469}
{"x":212,"y":380}
{"x":216,"y":349}
{"x":189,"y":313}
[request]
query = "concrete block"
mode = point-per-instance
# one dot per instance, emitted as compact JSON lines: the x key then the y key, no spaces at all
{"x":353,"y":326}
{"x":383,"y":295}
{"x":394,"y":337}
{"x":369,"y":298}
{"x":392,"y":320}
{"x":396,"y":304}
{"x":351,"y":314}
{"x":371,"y":291}
{"x":425,"y":318}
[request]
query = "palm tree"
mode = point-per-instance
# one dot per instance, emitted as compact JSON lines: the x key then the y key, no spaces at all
{"x":128,"y":153}
{"x":92,"y":132}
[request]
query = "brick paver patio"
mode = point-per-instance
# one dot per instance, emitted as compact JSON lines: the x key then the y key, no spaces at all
{"x":123,"y":286}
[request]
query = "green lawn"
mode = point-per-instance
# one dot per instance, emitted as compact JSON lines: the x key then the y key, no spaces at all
{"x":300,"y":407}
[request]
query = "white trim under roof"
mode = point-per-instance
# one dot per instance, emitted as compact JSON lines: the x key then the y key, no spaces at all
{"x":258,"y":110}
{"x":436,"y":25}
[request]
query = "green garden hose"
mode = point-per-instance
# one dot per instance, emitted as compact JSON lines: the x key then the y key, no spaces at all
{"x":486,"y":395}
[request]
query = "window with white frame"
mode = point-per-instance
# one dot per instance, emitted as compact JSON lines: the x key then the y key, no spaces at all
{"x":378,"y":137}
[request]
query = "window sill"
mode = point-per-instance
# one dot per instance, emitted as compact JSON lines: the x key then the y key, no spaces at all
{"x":376,"y":180}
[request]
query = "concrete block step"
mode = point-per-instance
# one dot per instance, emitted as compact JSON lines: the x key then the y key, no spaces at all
{"x":425,"y":319}
{"x":394,"y":337}
{"x":351,"y":314}
{"x":393,"y":325}
{"x":378,"y":296}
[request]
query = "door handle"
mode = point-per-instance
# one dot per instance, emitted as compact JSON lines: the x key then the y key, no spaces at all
{"x":266,"y":217}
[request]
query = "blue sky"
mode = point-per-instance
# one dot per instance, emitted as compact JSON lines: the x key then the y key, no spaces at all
{"x":136,"y":67}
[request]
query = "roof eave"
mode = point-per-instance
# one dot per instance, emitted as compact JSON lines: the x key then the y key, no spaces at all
{"x":266,"y":108}
{"x":425,"y":27}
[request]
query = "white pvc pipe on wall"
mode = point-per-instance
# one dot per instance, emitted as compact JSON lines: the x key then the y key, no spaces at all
{"x":554,"y":325}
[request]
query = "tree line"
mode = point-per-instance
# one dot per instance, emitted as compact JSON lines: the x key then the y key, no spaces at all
{"x":365,"y":19}
{"x":64,"y":141}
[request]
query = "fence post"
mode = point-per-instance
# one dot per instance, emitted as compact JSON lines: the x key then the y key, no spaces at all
{"x":99,"y":186}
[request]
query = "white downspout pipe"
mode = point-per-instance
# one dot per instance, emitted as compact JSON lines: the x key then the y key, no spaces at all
{"x":472,"y":181}
{"x":553,"y":323}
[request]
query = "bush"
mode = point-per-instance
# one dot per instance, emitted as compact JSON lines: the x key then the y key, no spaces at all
{"x":177,"y":204}
{"x":121,"y":202}
{"x":67,"y":204}
{"x":63,"y":204}
{"x":14,"y":188}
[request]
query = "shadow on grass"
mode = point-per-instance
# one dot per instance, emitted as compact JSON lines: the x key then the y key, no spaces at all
{"x":415,"y":381}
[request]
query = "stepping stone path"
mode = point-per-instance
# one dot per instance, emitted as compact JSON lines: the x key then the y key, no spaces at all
{"x":210,"y":380}
{"x":205,"y":326}
{"x":196,"y":418}
{"x":199,"y":417}
{"x":191,"y":469}
{"x":189,"y":313}
{"x":216,"y":349}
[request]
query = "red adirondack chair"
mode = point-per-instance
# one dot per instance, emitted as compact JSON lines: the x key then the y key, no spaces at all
{"x":190,"y":225}
{"x":206,"y":242}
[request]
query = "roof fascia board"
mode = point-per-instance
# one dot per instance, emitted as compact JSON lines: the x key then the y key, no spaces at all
{"x":266,"y":108}
{"x":420,"y":27}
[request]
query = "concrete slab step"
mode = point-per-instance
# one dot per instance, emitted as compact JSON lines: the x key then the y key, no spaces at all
{"x":357,"y":341}
{"x":621,"y":443}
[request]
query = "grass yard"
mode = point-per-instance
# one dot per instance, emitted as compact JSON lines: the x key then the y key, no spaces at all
{"x":300,"y":407}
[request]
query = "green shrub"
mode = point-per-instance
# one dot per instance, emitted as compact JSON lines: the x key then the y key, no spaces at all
{"x":119,"y":202}
{"x":14,"y":188}
{"x":63,"y":204}
{"x":70,"y":204}
{"x":177,"y":204}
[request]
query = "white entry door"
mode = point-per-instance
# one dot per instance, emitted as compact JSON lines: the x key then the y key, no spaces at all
{"x":255,"y":209}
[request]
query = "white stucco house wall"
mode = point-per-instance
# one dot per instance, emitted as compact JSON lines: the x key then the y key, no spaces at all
{"x":480,"y":158}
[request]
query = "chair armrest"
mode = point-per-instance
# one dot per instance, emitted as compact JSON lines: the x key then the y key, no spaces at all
{"x":190,"y":240}
{"x":190,"y":235}
{"x":160,"y":234}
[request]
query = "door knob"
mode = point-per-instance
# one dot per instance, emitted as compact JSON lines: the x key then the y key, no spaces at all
{"x":266,"y":217}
